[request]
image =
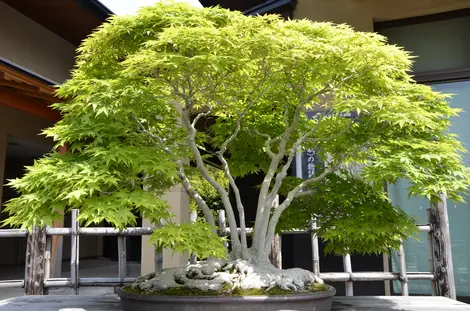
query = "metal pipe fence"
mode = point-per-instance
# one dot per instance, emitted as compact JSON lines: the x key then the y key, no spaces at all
{"x":75,"y":281}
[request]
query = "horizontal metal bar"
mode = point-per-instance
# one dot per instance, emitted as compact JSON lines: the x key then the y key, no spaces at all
{"x":104,"y":281}
{"x":58,"y":231}
{"x":335,"y":276}
{"x":420,"y":276}
{"x":373,"y":276}
{"x":58,"y":282}
{"x":137,"y":231}
{"x":425,"y":228}
{"x":12,"y":284}
{"x":67,"y":282}
{"x":13,"y":233}
{"x":102,"y":231}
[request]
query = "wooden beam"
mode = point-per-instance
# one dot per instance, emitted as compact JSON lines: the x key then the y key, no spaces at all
{"x":11,"y":74}
{"x":18,"y":85}
{"x":442,"y":248}
{"x":40,"y":95}
{"x":27,"y":104}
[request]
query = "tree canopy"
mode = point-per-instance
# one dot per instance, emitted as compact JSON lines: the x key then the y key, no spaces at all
{"x":174,"y":85}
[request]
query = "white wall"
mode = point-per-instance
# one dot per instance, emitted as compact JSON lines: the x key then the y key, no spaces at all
{"x":30,"y":45}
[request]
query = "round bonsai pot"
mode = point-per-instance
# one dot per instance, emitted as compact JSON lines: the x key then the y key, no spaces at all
{"x":319,"y":301}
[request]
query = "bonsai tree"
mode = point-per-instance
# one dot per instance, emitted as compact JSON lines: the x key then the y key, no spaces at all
{"x":157,"y":98}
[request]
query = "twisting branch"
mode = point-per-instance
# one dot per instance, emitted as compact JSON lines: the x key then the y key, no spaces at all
{"x":283,"y":174}
{"x":269,"y":141}
{"x":205,"y":173}
{"x":200,"y":115}
{"x":194,"y":194}
{"x":158,"y":141}
{"x":288,"y":200}
{"x":240,"y":208}
{"x":297,"y":190}
{"x":264,"y":200}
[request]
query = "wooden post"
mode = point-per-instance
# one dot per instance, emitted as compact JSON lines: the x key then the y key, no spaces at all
{"x":442,"y":248}
{"x":35,"y":262}
{"x":276,"y":255}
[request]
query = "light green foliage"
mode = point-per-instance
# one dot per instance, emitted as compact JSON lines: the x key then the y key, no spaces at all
{"x":207,"y":192}
{"x":352,"y":216}
{"x":141,"y":81}
{"x":198,"y":238}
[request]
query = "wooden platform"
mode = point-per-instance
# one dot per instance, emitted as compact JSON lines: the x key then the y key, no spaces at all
{"x":91,"y":303}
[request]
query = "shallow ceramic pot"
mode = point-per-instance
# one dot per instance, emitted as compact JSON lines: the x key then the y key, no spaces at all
{"x":320,"y":301}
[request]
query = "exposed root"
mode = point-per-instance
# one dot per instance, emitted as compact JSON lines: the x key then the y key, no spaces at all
{"x":217,"y":275}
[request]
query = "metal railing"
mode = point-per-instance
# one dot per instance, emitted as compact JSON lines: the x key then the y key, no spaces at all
{"x":75,"y":282}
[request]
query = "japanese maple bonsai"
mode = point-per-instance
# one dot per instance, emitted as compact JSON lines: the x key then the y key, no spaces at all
{"x":157,"y":97}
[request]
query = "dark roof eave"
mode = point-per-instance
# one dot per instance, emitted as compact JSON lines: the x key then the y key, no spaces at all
{"x":27,"y":72}
{"x":96,"y":7}
{"x":268,"y":7}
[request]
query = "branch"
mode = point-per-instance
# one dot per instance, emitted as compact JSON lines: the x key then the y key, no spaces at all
{"x":295,"y":192}
{"x":264,"y":200}
{"x":240,"y":208}
{"x":283,"y":174}
{"x":205,"y":173}
{"x":157,"y":140}
{"x":200,"y":115}
{"x":268,"y":143}
{"x":194,"y":194}
{"x":290,"y":196}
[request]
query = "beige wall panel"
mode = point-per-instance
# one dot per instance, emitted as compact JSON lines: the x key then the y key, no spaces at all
{"x":361,"y":14}
{"x":30,"y":45}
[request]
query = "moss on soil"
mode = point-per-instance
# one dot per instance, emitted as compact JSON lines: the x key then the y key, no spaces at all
{"x":226,"y":291}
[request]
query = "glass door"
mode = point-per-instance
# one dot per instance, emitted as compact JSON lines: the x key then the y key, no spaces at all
{"x":459,"y":214}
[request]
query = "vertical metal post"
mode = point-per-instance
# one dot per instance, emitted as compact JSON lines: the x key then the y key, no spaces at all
{"x":403,"y":276}
{"x":386,"y":264}
{"x":74,"y":256}
{"x":442,"y":248}
{"x":122,"y":258}
{"x":47,"y":257}
{"x":192,"y":218}
{"x":348,"y":269}
{"x":158,"y":255}
{"x":315,"y":250}
{"x":221,"y":223}
{"x":430,"y":255}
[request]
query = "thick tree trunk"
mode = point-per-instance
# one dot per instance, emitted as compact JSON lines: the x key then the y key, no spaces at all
{"x":35,"y":262}
{"x":215,"y":274}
